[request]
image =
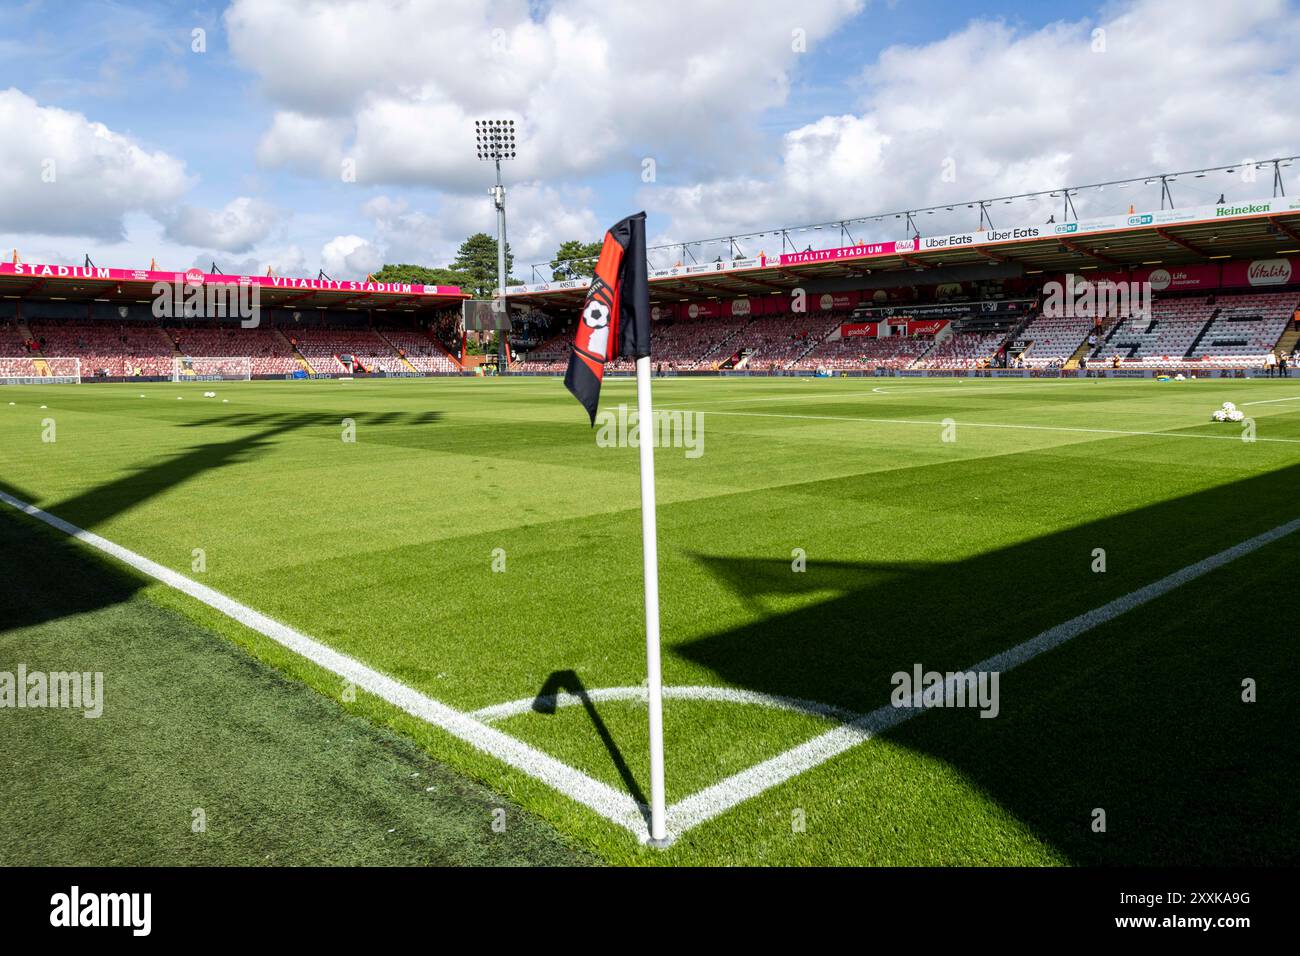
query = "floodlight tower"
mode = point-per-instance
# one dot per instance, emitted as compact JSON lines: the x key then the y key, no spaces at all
{"x":496,"y":141}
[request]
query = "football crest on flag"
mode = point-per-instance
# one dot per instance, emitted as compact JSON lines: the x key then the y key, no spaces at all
{"x":616,"y":315}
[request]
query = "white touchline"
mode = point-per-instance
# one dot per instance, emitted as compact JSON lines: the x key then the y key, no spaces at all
{"x":722,"y":796}
{"x":613,"y":805}
{"x":1274,"y":401}
{"x":965,"y":424}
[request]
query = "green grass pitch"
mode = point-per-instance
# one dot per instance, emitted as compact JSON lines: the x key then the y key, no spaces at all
{"x":941,"y":522}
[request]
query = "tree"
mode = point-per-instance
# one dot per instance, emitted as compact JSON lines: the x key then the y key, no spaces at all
{"x":564,"y":266}
{"x":423,"y":275}
{"x":476,"y":259}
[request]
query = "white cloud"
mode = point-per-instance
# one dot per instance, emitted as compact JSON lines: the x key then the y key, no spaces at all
{"x":305,"y":144}
{"x":238,"y":227}
{"x":63,"y":175}
{"x":1178,"y":86}
{"x":284,"y":260}
{"x":350,"y":257}
{"x":539,"y":218}
{"x":592,"y":86}
{"x":384,"y":207}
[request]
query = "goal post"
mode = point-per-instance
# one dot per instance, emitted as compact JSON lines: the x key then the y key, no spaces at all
{"x":222,"y":368}
{"x":40,"y":371}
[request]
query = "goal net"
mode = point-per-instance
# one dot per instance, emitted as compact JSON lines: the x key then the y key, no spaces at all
{"x":219,"y":369}
{"x":40,"y":371}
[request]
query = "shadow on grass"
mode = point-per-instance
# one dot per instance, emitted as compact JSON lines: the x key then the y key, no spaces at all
{"x":95,"y":505}
{"x":569,"y":682}
{"x":289,"y":421}
{"x":1142,"y":718}
{"x":190,"y":720}
{"x":105,"y":501}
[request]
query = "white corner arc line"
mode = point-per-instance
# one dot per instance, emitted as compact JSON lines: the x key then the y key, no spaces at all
{"x":719,"y":695}
{"x":613,"y":805}
{"x":726,"y":794}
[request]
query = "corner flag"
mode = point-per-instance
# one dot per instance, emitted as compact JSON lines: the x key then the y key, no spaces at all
{"x":616,"y":321}
{"x":616,"y":315}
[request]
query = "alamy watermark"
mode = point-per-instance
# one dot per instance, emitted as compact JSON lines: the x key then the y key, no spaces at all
{"x":922,"y":688}
{"x":75,"y":908}
{"x":71,"y":690}
{"x":1077,"y":297}
{"x":671,"y":428}
{"x":196,"y":299}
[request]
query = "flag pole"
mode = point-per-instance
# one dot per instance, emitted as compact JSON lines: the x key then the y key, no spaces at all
{"x":650,"y":556}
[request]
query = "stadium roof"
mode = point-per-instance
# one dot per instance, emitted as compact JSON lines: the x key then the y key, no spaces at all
{"x":1170,"y":237}
{"x":21,"y":280}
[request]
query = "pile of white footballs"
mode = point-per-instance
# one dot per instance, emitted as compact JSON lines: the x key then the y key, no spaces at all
{"x":209,"y":394}
{"x":1228,"y":413}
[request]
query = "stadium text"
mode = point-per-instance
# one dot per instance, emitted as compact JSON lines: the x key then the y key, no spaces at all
{"x":669,"y":429}
{"x":951,"y":689}
{"x":36,"y":690}
{"x":103,"y":909}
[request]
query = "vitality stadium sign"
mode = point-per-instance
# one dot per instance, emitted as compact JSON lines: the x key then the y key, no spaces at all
{"x":846,"y":252}
{"x":195,"y":277}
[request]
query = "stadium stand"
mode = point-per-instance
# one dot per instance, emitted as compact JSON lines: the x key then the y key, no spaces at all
{"x":893,"y":352}
{"x":1230,"y":331}
{"x":551,"y":356}
{"x":322,"y":348}
{"x":421,"y":351}
{"x":1054,"y":339}
{"x":1161,"y":338}
{"x":962,"y":350}
{"x":17,"y":368}
{"x":1245,"y":329}
{"x":775,"y":341}
{"x":108,"y":349}
{"x":268,"y":349}
{"x":1225,"y":330}
{"x":703,"y":343}
{"x":13,"y":343}
{"x":686,"y":342}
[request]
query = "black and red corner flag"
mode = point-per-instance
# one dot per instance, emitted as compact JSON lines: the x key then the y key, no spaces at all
{"x":616,"y":316}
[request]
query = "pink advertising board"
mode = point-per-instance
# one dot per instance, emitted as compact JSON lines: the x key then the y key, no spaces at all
{"x":1262,"y":274}
{"x":834,"y":301}
{"x":1254,"y":274}
{"x":197,"y":277}
{"x":1177,"y":278}
{"x":699,"y":310}
{"x":860,"y":251}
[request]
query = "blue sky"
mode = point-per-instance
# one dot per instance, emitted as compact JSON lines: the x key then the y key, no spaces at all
{"x":233,"y":153}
